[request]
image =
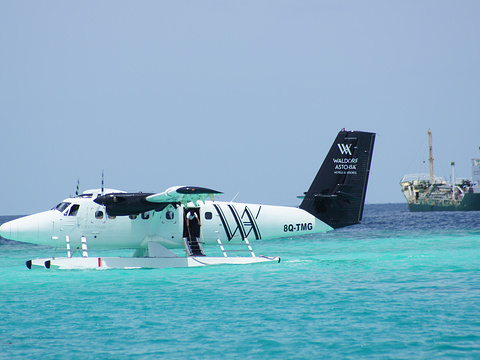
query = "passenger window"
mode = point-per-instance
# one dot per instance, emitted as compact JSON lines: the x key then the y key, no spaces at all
{"x":208,"y":215}
{"x":113,"y":217}
{"x":74,"y":210}
{"x":99,"y":214}
{"x":145,"y":215}
{"x":169,"y":215}
{"x":133,"y":217}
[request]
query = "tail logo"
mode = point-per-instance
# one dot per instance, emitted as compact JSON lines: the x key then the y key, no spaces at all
{"x":345,"y":149}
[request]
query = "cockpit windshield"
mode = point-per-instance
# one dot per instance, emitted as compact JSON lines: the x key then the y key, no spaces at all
{"x":62,"y":206}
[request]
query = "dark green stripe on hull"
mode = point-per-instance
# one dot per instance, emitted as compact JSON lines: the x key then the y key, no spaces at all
{"x":471,"y":202}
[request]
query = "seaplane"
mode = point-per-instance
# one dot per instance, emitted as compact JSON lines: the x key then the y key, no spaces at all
{"x":189,"y":217}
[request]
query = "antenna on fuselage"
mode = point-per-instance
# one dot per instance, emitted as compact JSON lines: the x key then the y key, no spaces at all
{"x":235,"y":197}
{"x":103,"y":187}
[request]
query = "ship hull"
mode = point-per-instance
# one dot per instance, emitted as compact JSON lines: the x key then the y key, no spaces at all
{"x":470,"y":202}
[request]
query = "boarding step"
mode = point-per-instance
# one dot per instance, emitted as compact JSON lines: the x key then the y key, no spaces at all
{"x":78,"y":246}
{"x":224,"y":248}
{"x":193,"y":246}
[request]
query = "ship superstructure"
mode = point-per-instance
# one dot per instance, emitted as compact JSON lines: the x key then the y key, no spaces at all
{"x":426,"y":192}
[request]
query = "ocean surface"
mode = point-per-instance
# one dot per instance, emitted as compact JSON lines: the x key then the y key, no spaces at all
{"x":398,"y":286}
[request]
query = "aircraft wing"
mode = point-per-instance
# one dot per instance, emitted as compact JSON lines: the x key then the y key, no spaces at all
{"x":121,"y":203}
{"x":183,"y":194}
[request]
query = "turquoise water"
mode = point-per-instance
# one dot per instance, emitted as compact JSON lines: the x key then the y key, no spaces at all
{"x":400,"y":285}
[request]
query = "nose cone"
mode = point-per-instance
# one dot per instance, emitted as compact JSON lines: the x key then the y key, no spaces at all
{"x":5,"y":230}
{"x":23,"y":229}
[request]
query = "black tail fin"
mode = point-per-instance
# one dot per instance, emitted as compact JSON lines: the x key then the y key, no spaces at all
{"x":337,"y":194}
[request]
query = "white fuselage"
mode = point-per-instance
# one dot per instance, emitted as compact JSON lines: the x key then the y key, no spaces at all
{"x":334,"y":199}
{"x":82,"y":217}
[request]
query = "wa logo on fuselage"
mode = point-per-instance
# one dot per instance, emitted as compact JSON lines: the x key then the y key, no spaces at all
{"x":345,"y":149}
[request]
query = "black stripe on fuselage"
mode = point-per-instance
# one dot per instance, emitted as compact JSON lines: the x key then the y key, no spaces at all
{"x":253,"y":223}
{"x":220,"y":213}
{"x":240,"y":224}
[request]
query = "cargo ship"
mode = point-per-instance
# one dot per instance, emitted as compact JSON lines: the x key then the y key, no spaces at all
{"x":426,"y":192}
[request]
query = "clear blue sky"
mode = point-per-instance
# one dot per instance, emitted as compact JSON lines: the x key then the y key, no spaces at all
{"x":244,"y":97}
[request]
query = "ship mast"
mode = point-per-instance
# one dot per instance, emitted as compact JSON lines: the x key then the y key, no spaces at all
{"x":430,"y":159}
{"x":453,"y":180}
